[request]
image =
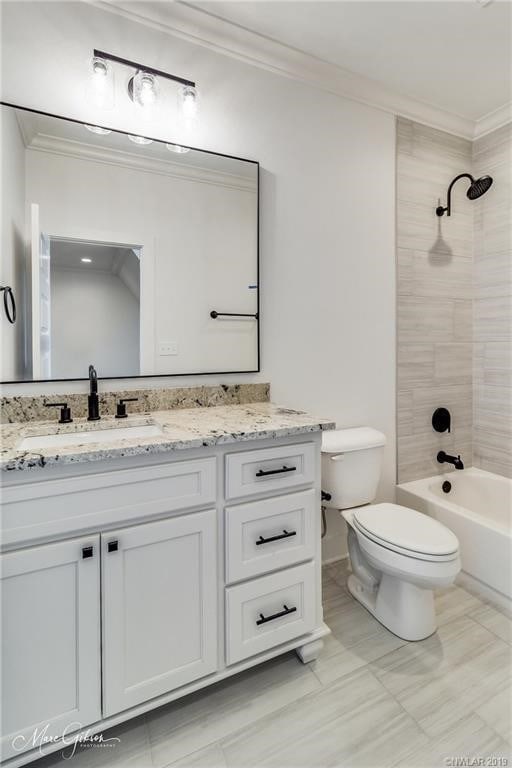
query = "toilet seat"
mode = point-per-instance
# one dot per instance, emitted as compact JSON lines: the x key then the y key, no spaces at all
{"x":406,"y":532}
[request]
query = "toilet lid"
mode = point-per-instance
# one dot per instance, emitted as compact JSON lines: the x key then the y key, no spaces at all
{"x":353,"y":439}
{"x":397,"y":526}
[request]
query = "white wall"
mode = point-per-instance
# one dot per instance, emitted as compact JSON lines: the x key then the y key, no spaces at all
{"x":327,"y":199}
{"x":193,"y":235}
{"x":101,"y":326}
{"x":13,"y":255}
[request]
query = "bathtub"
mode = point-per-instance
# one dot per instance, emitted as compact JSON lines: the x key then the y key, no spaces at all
{"x":478,"y":509}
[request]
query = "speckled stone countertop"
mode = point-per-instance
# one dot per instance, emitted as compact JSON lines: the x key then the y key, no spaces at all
{"x":181,"y":429}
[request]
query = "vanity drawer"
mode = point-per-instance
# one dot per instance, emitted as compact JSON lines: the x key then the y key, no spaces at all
{"x":268,"y":611}
{"x":269,"y":469}
{"x":265,"y":535}
{"x":94,"y":501}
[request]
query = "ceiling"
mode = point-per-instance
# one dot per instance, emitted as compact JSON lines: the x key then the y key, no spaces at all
{"x":455,"y":56}
{"x":68,"y":254}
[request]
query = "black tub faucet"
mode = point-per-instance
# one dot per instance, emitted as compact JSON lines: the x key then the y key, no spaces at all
{"x":93,"y":404}
{"x":443,"y":458}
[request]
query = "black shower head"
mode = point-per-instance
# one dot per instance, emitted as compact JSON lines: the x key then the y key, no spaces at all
{"x":479,"y":187}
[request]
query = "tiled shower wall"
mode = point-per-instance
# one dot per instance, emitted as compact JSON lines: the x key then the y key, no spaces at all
{"x":492,"y":311}
{"x":434,"y":335}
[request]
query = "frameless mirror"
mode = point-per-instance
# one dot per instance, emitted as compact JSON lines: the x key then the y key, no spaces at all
{"x":140,"y":258}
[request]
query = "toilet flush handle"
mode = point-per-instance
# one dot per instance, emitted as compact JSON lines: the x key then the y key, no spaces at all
{"x":337,"y":457}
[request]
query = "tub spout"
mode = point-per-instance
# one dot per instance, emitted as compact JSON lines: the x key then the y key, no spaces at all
{"x":443,"y":458}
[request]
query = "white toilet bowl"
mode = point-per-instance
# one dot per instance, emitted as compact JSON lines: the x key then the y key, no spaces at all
{"x":398,"y":557}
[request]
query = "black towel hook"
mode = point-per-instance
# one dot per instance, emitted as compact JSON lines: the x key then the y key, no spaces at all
{"x":9,"y":303}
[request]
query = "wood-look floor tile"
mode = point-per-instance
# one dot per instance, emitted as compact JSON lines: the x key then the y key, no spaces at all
{"x":211,"y":757}
{"x":495,"y":621}
{"x":453,"y":602}
{"x":469,"y":740}
{"x":132,"y":750}
{"x":338,"y":660}
{"x":497,"y":712}
{"x":353,"y":722}
{"x":443,"y":679}
{"x":339,"y":571}
{"x":201,"y":719}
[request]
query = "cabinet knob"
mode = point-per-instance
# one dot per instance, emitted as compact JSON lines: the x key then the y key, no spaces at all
{"x":87,"y":552}
{"x":113,"y":545}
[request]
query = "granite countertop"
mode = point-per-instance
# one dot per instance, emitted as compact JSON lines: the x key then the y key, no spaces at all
{"x":182,"y":429}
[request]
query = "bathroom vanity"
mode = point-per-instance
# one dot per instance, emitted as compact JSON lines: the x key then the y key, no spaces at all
{"x":139,"y":569}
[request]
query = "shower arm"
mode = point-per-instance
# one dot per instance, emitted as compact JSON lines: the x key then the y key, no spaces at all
{"x":440,"y":210}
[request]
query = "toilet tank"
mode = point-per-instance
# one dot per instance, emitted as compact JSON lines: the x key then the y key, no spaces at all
{"x":351,"y":465}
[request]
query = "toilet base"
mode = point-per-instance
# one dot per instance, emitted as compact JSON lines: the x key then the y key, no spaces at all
{"x":403,"y":608}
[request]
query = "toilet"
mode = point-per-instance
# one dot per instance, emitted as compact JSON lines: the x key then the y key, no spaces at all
{"x":398,"y":556}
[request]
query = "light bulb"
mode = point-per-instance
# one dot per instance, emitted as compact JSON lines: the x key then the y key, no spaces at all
{"x":179,"y":150}
{"x":101,"y":90}
{"x":86,"y":260}
{"x":99,"y":69}
{"x":140,"y":139}
{"x":143,"y":89}
{"x":188,"y":102}
{"x":97,"y":129}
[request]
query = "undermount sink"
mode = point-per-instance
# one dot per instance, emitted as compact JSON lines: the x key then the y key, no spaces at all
{"x":109,"y":435}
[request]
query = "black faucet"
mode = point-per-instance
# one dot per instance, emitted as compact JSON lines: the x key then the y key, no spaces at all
{"x":443,"y":457}
{"x":92,"y":401}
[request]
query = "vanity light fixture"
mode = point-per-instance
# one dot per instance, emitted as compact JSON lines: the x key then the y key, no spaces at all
{"x":100,"y":69}
{"x":188,"y":102}
{"x":96,"y":129}
{"x":143,"y":89}
{"x":179,"y":150}
{"x":140,"y":139}
{"x":102,"y":83}
{"x":143,"y":85}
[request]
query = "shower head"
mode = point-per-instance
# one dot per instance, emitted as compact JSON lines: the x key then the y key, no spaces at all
{"x":476,"y":189}
{"x":479,"y":187}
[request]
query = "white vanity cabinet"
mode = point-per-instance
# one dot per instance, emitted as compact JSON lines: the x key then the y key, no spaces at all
{"x":159,"y":590}
{"x":50,"y":641}
{"x":133,"y":581}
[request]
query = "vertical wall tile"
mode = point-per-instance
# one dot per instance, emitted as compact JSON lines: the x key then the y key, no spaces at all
{"x":435,"y":290}
{"x":454,"y":299}
{"x":492,"y":318}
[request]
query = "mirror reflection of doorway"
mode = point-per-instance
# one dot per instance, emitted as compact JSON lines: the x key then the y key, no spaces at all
{"x":95,"y":308}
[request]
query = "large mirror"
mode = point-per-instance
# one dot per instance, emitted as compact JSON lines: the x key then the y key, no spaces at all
{"x":137,"y":256}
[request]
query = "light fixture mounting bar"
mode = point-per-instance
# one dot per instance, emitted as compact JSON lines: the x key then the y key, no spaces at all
{"x":143,"y":68}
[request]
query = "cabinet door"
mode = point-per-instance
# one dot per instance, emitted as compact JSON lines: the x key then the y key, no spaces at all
{"x":50,"y":652}
{"x":159,"y":608}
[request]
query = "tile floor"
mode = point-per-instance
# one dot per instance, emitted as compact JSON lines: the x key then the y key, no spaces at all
{"x":370,"y":700}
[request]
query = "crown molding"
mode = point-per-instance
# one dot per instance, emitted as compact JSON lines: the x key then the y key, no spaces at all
{"x":202,"y":28}
{"x":40,"y":142}
{"x":493,"y":120}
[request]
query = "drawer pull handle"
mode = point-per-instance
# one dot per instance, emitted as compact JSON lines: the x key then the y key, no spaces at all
{"x":284,"y":535}
{"x":263,"y":619}
{"x":266,"y":472}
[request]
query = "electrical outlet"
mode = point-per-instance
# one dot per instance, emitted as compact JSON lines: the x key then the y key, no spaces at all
{"x":168,"y":348}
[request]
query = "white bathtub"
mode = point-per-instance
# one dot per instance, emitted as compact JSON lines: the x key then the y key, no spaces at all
{"x":478,"y":509}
